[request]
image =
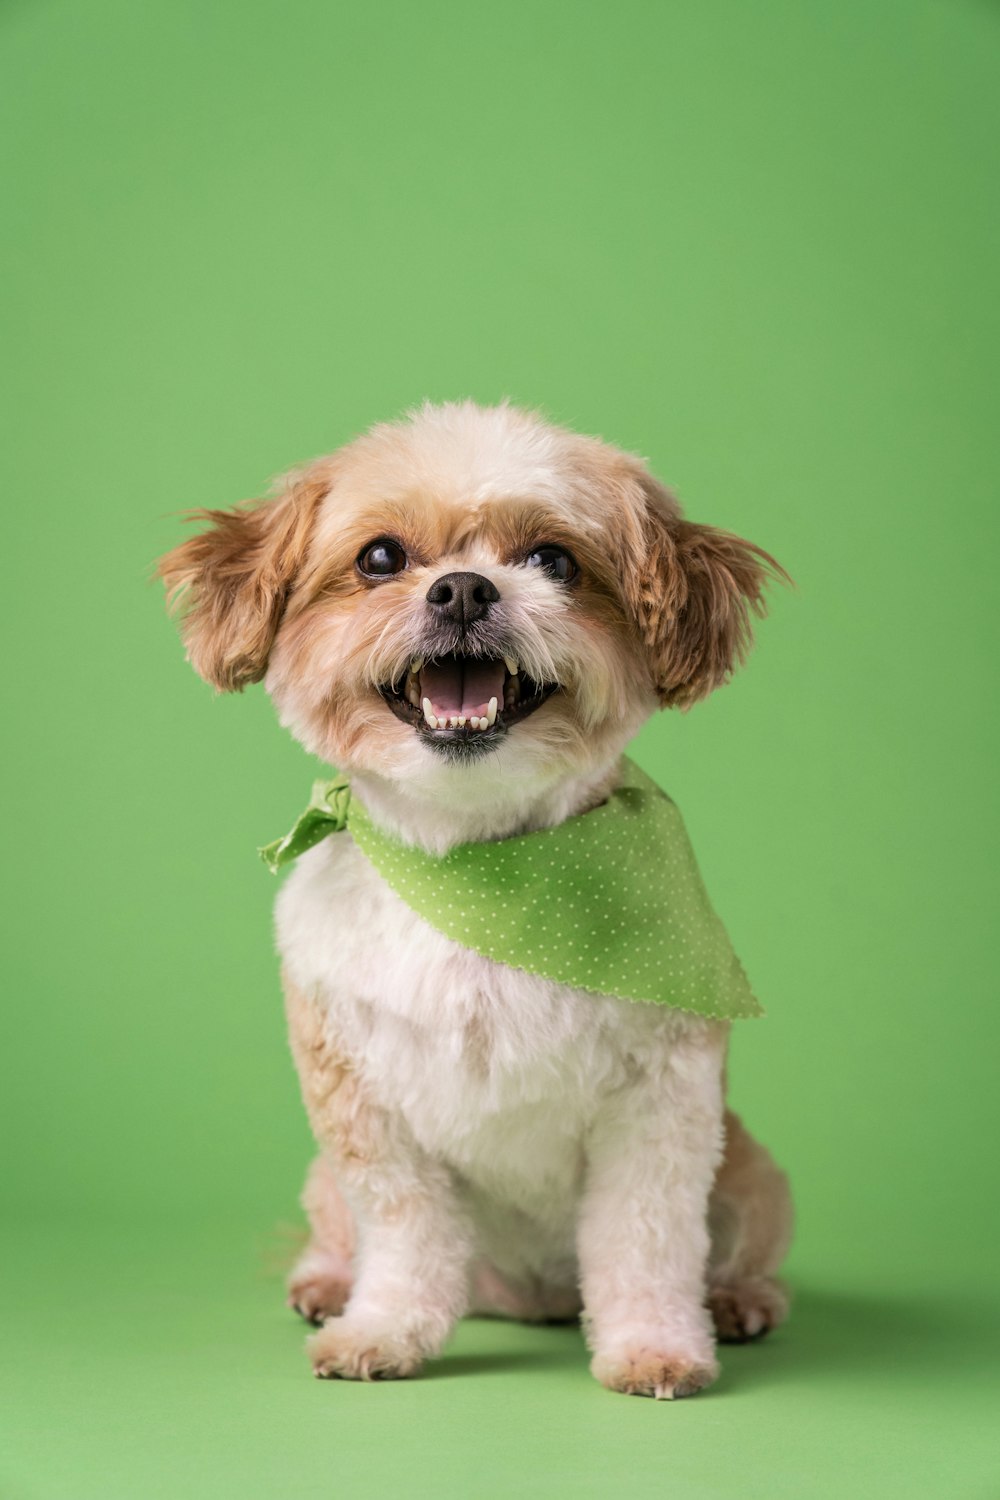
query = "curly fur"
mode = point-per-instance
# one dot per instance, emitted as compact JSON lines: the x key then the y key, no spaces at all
{"x":489,"y":1140}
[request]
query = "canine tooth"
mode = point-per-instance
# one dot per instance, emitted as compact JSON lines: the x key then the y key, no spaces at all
{"x":416,"y":664}
{"x":510,"y":662}
{"x":429,"y":714}
{"x":491,"y":712}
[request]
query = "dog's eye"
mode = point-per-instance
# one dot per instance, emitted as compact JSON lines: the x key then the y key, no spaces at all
{"x":554,"y":560}
{"x":382,"y":558}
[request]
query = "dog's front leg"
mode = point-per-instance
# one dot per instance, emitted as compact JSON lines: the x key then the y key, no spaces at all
{"x":412,"y":1243}
{"x":410,"y":1282}
{"x":643,"y":1235}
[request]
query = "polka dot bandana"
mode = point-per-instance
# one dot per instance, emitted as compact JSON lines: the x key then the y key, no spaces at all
{"x":609,"y":901}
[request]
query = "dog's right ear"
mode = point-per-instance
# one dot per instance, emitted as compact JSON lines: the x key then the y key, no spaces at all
{"x":231,"y":582}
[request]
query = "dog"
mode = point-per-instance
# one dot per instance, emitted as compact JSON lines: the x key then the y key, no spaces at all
{"x":470,"y":612}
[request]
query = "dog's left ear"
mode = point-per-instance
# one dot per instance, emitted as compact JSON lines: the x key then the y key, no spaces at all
{"x":694,"y":592}
{"x":231,"y":582}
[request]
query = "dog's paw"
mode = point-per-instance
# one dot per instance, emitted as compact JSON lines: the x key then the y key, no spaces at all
{"x":346,"y":1350}
{"x":319,"y":1287}
{"x":747,"y":1309}
{"x":648,"y":1369}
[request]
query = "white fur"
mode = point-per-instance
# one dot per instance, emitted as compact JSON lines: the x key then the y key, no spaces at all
{"x":488,"y":1137}
{"x":579,"y":1134}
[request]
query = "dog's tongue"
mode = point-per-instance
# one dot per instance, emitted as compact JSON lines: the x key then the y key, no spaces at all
{"x":459,"y":685}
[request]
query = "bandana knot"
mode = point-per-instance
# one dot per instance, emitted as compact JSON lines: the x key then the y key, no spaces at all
{"x":326,"y":814}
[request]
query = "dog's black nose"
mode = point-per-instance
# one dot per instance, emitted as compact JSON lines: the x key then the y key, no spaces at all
{"x":462,"y":597}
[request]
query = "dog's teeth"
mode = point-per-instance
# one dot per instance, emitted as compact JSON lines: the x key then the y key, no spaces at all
{"x":416,"y":664}
{"x":413,"y":694}
{"x":510,"y":662}
{"x":429,"y":717}
{"x":491,"y":712}
{"x":477,"y":723}
{"x":461,"y":721}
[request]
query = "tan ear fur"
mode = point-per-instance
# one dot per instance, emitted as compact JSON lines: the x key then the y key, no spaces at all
{"x":230,"y":584}
{"x":694,"y":597}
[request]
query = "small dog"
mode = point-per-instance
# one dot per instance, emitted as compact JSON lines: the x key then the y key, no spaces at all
{"x":470,"y":613}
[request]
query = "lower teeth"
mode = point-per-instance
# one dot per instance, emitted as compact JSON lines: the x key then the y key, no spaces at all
{"x":459,"y":721}
{"x":478,"y":722}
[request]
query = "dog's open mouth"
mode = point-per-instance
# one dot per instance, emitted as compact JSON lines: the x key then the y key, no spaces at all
{"x":465,"y":698}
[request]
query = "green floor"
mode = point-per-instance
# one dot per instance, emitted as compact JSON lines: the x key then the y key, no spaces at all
{"x":757,"y":243}
{"x":146,"y":1365}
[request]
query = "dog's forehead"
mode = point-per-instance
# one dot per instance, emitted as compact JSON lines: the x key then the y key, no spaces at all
{"x":471,"y":454}
{"x":457,"y":473}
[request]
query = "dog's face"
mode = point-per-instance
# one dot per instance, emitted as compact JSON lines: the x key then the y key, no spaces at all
{"x":470,"y":594}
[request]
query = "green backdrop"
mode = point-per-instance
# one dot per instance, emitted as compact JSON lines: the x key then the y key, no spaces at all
{"x":757,"y":243}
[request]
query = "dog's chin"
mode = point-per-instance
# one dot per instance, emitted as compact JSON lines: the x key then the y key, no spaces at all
{"x":463,"y":706}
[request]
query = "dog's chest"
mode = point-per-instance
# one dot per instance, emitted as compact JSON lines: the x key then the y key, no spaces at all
{"x":466,"y":1049}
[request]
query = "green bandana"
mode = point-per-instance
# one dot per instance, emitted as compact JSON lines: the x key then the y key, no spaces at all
{"x":609,"y":901}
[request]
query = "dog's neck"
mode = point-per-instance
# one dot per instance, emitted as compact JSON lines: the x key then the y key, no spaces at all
{"x":469,"y":809}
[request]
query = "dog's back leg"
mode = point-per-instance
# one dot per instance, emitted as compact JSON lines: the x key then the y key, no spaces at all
{"x":320,"y":1281}
{"x":495,"y":1295}
{"x":750,"y":1218}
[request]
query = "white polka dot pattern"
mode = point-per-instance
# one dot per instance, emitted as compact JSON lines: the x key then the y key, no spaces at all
{"x":609,"y":901}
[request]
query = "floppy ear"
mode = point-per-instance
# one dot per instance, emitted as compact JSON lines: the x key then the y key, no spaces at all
{"x":230,"y":583}
{"x":694,"y":594}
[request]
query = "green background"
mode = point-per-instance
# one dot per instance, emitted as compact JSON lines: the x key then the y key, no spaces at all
{"x":757,"y":243}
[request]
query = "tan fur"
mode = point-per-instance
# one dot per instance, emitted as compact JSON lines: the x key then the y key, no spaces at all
{"x":350,"y":1129}
{"x":648,"y":1372}
{"x":694,"y":593}
{"x":487,"y":1141}
{"x":232,"y":582}
{"x":320,"y":1282}
{"x":750,"y":1218}
{"x":689,"y":591}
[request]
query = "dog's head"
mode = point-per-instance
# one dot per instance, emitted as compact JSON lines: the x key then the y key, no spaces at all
{"x":467,"y":588}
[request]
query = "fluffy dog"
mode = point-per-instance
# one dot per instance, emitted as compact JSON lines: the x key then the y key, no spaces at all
{"x":470,"y":612}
